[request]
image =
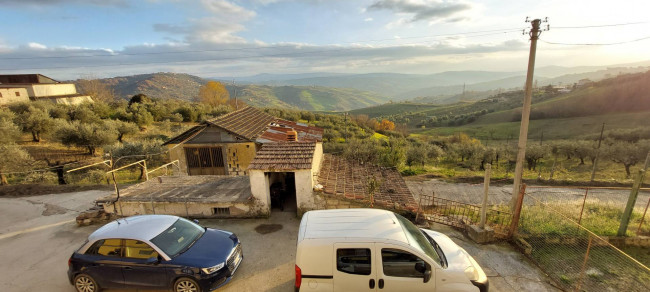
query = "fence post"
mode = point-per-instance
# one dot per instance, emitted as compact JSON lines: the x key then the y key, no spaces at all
{"x":417,"y":214}
{"x":486,"y":187}
{"x":584,"y":264}
{"x":517,"y":212}
{"x":583,"y":206}
{"x":146,"y":174}
{"x":643,"y":217}
{"x":631,"y":201}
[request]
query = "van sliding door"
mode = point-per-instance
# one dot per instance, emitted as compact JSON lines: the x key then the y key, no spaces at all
{"x":354,"y":265}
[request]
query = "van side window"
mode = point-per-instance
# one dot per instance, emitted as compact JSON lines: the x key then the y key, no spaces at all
{"x":399,"y":263}
{"x":353,"y":261}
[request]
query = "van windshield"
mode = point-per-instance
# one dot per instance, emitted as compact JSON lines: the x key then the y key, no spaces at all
{"x":416,"y":239}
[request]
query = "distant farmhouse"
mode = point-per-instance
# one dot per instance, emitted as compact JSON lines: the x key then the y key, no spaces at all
{"x":247,"y":163}
{"x":26,"y":87}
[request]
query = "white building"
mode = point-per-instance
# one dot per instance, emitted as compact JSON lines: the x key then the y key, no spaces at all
{"x":40,"y":87}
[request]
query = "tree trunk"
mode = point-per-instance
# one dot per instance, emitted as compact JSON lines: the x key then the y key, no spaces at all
{"x":627,"y":170}
{"x":36,"y":137}
{"x":582,"y":161}
{"x":141,"y":173}
{"x":119,"y":137}
{"x":59,"y":174}
{"x":3,"y":179}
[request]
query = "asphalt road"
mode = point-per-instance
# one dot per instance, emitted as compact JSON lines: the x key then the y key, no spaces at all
{"x":38,"y":235}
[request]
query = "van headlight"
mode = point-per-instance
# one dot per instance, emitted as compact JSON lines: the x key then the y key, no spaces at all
{"x":471,"y":273}
{"x":213,"y":269}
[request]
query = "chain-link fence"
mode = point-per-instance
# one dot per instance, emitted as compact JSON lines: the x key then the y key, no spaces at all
{"x":575,"y":257}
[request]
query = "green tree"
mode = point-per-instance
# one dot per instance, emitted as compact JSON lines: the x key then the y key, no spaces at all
{"x":89,"y":136}
{"x":362,"y":151}
{"x":10,"y":132}
{"x":626,"y":153}
{"x":214,"y":93}
{"x":393,"y":152}
{"x":129,"y":152}
{"x":13,"y":158}
{"x":35,"y":121}
{"x":535,"y":152}
{"x":122,"y":128}
{"x":416,"y":154}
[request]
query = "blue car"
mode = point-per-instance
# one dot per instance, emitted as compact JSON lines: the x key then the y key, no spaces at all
{"x":155,"y":252}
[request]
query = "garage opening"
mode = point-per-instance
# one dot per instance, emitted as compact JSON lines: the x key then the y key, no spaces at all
{"x":283,"y":191}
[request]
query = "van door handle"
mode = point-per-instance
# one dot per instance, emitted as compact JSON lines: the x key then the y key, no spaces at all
{"x":381,"y":283}
{"x":372,"y":283}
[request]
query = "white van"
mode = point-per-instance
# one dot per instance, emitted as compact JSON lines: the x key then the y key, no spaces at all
{"x":378,"y":250}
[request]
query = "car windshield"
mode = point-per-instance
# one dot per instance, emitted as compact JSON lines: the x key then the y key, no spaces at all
{"x":178,"y":237}
{"x":417,"y":240}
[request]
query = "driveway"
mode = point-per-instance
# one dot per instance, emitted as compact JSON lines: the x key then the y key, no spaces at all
{"x":38,"y":235}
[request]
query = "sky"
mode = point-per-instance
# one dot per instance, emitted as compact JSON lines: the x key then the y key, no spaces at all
{"x":70,"y":39}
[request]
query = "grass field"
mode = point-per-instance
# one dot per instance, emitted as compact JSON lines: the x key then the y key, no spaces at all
{"x":492,"y":127}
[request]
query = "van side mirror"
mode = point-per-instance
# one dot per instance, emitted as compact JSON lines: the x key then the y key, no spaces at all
{"x":420,"y":267}
{"x":427,"y":276}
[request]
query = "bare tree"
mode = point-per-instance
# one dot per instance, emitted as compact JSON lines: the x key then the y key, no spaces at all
{"x":97,"y":89}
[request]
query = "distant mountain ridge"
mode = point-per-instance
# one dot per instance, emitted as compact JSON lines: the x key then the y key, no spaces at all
{"x":186,"y":87}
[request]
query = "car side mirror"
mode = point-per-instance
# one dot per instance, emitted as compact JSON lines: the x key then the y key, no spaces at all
{"x":420,"y":267}
{"x":152,"y":261}
{"x":427,"y":276}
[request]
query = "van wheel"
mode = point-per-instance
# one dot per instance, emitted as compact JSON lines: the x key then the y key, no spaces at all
{"x":85,"y":283}
{"x":186,"y":285}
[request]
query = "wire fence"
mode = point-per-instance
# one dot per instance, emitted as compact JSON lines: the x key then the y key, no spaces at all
{"x":458,"y":214}
{"x":575,"y":257}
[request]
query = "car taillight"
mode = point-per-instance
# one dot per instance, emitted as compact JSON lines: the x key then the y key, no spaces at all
{"x":298,"y":277}
{"x":69,"y":262}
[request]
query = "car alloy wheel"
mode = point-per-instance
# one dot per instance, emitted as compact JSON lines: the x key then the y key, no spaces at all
{"x":186,"y":285}
{"x":85,"y":283}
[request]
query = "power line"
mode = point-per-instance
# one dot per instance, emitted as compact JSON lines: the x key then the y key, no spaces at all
{"x":601,"y":25}
{"x":232,"y":58}
{"x":597,"y":44}
{"x":254,"y":48}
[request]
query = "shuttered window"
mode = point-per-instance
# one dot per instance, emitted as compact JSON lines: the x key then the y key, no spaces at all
{"x":204,"y":157}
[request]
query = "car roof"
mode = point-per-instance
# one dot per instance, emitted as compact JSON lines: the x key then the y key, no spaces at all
{"x":142,"y":227}
{"x":352,"y":223}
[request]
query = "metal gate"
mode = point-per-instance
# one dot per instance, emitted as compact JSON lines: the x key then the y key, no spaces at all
{"x":457,"y":214}
{"x":205,"y":161}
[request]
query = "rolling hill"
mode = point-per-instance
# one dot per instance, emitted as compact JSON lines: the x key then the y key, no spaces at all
{"x":186,"y":87}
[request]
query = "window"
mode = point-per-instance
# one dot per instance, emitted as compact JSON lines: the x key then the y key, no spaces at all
{"x":106,"y":247}
{"x":138,"y":250}
{"x":399,"y":263}
{"x":17,"y":93}
{"x":0,"y":94}
{"x":221,"y":211}
{"x":178,"y":237}
{"x":353,"y":261}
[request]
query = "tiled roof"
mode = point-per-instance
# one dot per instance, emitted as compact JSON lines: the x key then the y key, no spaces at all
{"x":347,"y":179}
{"x":185,"y":135}
{"x":284,"y":156}
{"x":248,"y":122}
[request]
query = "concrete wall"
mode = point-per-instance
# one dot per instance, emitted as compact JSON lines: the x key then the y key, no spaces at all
{"x":260,"y":188}
{"x":72,"y":100}
{"x":304,"y":189}
{"x":8,"y":95}
{"x":185,"y":209}
{"x":45,"y":90}
{"x":317,"y":162}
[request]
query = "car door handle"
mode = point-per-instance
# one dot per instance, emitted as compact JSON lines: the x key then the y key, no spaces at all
{"x":372,"y":284}
{"x":381,"y":283}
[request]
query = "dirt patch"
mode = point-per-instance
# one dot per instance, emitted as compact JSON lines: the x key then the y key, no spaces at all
{"x":268,"y":228}
{"x":28,"y":190}
{"x":53,"y":210}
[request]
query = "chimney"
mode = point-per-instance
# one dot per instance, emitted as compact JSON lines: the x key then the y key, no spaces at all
{"x":292,"y":135}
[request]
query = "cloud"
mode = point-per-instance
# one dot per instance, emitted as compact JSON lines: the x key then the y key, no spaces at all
{"x":236,"y":59}
{"x":224,"y":19}
{"x":368,"y":19}
{"x":119,"y":3}
{"x":431,"y":10}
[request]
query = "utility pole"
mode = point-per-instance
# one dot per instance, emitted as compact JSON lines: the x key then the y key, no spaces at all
{"x":631,"y":200}
{"x":593,"y":171}
{"x":234,"y":88}
{"x":525,"y":112}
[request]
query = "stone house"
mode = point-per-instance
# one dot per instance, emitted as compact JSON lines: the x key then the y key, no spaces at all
{"x":40,"y":87}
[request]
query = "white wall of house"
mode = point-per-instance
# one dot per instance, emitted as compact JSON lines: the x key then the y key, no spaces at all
{"x":260,"y":188}
{"x":46,"y":90}
{"x":12,"y":95}
{"x":304,"y":190}
{"x":316,"y":162}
